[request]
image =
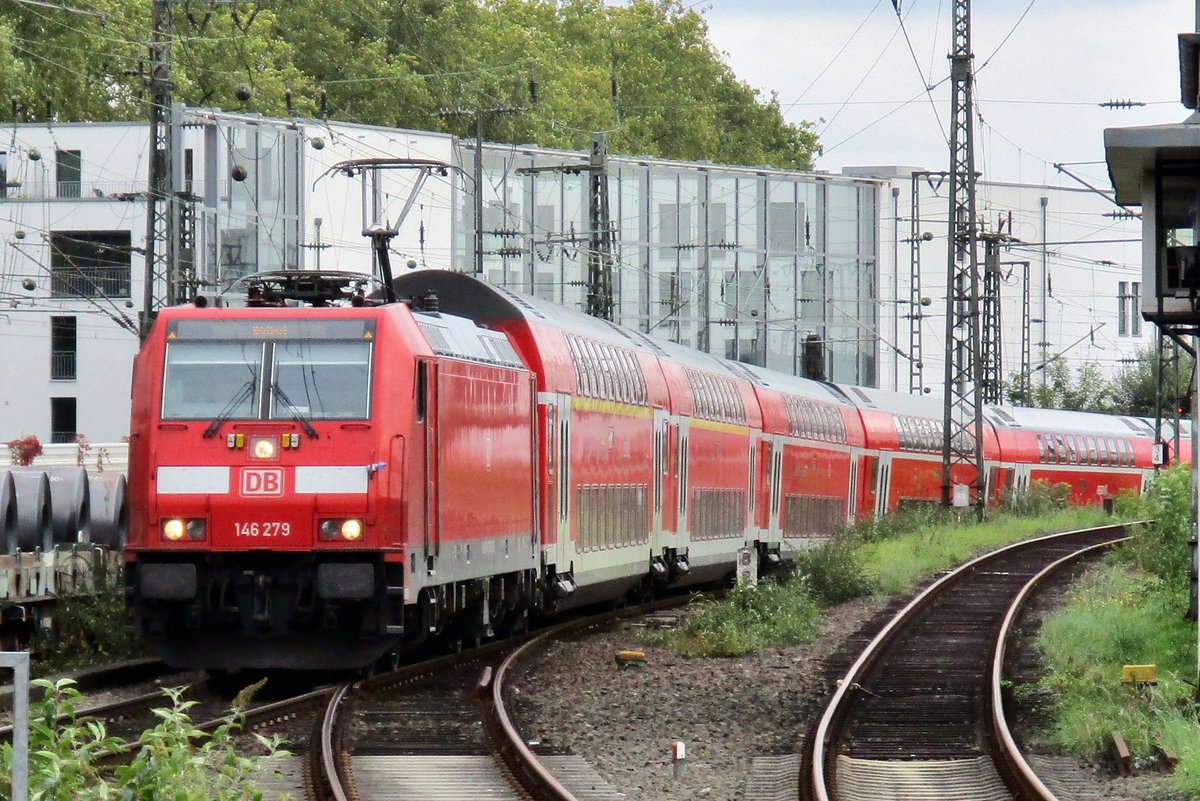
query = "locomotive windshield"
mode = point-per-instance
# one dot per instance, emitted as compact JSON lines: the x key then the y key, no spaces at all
{"x":240,"y":370}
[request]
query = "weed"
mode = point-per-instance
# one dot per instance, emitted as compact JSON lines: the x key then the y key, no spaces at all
{"x":1131,"y":610}
{"x":176,"y":760}
{"x":773,"y":613}
{"x":833,"y":570}
{"x":88,"y":630}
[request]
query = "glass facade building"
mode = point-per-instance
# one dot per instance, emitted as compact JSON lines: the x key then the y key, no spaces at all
{"x":740,"y":262}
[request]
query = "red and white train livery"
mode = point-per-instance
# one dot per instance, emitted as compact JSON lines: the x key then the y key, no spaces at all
{"x":317,"y":480}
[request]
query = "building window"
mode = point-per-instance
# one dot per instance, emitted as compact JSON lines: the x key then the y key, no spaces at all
{"x":62,"y":420}
{"x":68,"y":172}
{"x":781,"y":227}
{"x":3,"y":174}
{"x":674,"y":227}
{"x":62,"y":348}
{"x":1129,"y":308}
{"x":89,"y":264}
{"x":1122,"y":303}
{"x":1135,"y":309}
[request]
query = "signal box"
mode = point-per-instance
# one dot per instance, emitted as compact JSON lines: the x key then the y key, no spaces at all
{"x":1157,"y":167}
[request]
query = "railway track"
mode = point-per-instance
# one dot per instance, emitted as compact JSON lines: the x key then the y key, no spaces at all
{"x":921,"y":709}
{"x":442,"y":730}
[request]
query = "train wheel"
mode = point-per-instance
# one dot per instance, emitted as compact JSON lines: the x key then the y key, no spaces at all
{"x":516,"y":624}
{"x":386,"y":663}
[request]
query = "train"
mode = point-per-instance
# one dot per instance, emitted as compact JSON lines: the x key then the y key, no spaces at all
{"x":327,"y":471}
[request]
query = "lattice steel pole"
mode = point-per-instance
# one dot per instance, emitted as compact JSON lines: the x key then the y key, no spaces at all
{"x":916,"y":363}
{"x":161,"y":211}
{"x":991,"y":386}
{"x":1026,"y":323}
{"x":600,"y":235}
{"x":963,"y":408}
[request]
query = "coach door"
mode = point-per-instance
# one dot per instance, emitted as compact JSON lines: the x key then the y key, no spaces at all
{"x":852,"y":492}
{"x":882,"y":483}
{"x":681,"y":473}
{"x":426,"y":392}
{"x":661,"y":466}
{"x":563,"y":550}
{"x":1020,"y":477}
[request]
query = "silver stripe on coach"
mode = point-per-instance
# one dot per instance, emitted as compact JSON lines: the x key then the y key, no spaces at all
{"x":351,"y":480}
{"x":193,"y":480}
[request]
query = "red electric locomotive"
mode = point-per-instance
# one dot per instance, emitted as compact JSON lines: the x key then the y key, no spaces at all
{"x":310,"y":483}
{"x":320,"y":477}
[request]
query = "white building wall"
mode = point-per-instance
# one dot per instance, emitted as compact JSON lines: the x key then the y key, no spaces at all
{"x":109,"y":196}
{"x":1088,"y":254}
{"x":111,"y":176}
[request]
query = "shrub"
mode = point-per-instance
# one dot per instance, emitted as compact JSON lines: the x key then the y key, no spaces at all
{"x":1160,"y":546}
{"x":24,"y":450}
{"x":88,"y":630}
{"x":773,"y":613}
{"x":833,"y":570}
{"x":176,"y":760}
{"x":1039,"y":499}
{"x":906,"y":520}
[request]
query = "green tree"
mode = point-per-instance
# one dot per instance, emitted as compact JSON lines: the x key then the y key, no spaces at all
{"x":1082,"y":390}
{"x":397,"y":62}
{"x":1136,"y":383}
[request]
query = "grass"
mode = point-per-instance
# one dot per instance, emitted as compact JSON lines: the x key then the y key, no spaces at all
{"x":887,"y":555}
{"x":773,"y":613}
{"x":899,"y":563}
{"x":1119,"y":615}
{"x":1132,"y":610}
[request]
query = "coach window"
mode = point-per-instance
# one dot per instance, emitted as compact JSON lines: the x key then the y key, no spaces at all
{"x":321,"y":380}
{"x":628,"y":379}
{"x":639,"y":380}
{"x":582,"y":378}
{"x":1102,"y":451}
{"x":1121,"y":452}
{"x":1060,"y":449}
{"x":1093,"y":453}
{"x":591,"y":368}
{"x":1041,"y":447}
{"x":209,"y":379}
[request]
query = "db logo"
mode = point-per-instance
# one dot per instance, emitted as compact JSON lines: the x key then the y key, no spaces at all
{"x":262,"y":481}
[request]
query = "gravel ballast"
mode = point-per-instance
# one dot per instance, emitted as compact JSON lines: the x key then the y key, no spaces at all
{"x":575,"y":698}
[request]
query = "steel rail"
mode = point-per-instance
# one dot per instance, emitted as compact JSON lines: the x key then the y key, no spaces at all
{"x":521,"y":760}
{"x":329,"y":755}
{"x":1017,"y":768}
{"x":836,"y":709}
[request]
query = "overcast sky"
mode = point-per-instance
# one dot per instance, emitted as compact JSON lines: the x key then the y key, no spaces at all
{"x":1039,"y":79}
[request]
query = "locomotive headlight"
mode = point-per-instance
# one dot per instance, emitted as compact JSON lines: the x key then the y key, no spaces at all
{"x":345,"y":529}
{"x":263,"y":447}
{"x":351,"y":529}
{"x":174,"y":529}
